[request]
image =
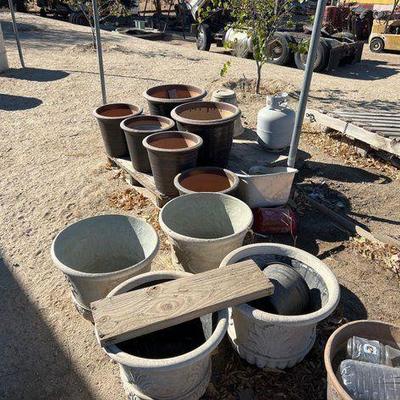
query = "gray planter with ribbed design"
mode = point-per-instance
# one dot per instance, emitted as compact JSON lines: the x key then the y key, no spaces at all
{"x":182,"y":377}
{"x":281,"y":341}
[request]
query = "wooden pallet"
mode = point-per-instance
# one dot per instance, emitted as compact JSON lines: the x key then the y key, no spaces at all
{"x":245,"y":153}
{"x":377,"y":128}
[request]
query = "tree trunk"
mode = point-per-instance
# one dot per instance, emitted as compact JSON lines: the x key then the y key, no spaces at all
{"x":258,"y":81}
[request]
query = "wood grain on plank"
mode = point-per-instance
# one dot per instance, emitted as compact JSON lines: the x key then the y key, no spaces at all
{"x":146,"y":310}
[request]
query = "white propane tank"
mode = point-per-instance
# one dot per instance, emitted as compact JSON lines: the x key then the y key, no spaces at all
{"x":275,"y":123}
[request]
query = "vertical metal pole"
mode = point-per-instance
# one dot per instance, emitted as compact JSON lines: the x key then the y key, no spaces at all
{"x":21,"y":57}
{"x":312,"y":52}
{"x":99,"y":50}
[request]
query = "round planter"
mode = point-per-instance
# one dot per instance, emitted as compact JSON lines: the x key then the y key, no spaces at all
{"x":109,"y":118}
{"x":281,"y":341}
{"x":337,"y":343}
{"x":170,"y":153}
{"x":229,"y":96}
{"x":97,"y":253}
{"x":203,"y":228}
{"x":214,"y":122}
{"x":164,"y":98}
{"x":136,"y":129}
{"x":185,"y":370}
{"x":206,"y":179}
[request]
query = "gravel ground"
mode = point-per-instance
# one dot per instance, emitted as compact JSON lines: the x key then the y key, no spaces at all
{"x":54,"y":172}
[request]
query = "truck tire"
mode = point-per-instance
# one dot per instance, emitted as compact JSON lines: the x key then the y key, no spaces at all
{"x":377,"y":45}
{"x":203,"y":37}
{"x":280,"y":53}
{"x":321,"y":60}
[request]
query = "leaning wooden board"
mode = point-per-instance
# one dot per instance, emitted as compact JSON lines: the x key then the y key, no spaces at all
{"x":146,"y":310}
{"x":379,"y":129}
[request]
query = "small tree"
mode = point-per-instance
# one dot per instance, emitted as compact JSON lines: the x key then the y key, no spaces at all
{"x":260,"y":19}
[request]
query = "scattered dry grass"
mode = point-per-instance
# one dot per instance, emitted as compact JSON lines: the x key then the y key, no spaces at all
{"x":337,"y":145}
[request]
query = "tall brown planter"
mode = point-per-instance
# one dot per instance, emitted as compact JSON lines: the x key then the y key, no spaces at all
{"x":214,"y":122}
{"x":136,"y":129}
{"x":170,"y":153}
{"x":109,"y":117}
{"x":164,"y":98}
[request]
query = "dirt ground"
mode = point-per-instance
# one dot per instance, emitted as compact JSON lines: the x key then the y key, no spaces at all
{"x":54,"y":172}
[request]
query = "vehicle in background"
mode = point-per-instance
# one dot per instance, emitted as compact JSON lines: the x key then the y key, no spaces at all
{"x":385,"y":35}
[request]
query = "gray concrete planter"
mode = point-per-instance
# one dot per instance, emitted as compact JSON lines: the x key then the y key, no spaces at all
{"x":281,"y":341}
{"x":203,"y":228}
{"x":97,"y":253}
{"x":182,"y":377}
{"x":336,"y":345}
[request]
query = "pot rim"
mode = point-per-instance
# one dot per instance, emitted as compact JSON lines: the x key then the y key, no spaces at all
{"x":282,"y":171}
{"x":106,"y":118}
{"x":130,"y":131}
{"x":180,"y":361}
{"x":103,"y":275}
{"x":183,"y":174}
{"x":187,"y":135}
{"x":160,"y":100}
{"x":328,"y":347}
{"x":178,"y":236}
{"x":316,"y":264}
{"x":177,"y":117}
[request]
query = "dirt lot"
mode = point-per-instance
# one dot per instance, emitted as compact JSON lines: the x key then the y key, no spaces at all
{"x":54,"y":172}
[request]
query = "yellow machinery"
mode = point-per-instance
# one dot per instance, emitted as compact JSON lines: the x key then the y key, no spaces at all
{"x":385,"y":35}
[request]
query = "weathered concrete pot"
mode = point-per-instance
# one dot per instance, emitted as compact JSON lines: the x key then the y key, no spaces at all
{"x":206,"y":179}
{"x":138,"y":128}
{"x":96,"y":254}
{"x":281,"y":341}
{"x":271,"y":188}
{"x":336,"y":347}
{"x":203,"y":228}
{"x":183,"y":376}
{"x":164,"y":98}
{"x":109,"y":117}
{"x":170,"y":153}
{"x":214,"y":122}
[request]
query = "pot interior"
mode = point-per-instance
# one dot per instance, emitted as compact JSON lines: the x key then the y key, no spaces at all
{"x":216,"y":180}
{"x":206,"y":112}
{"x":117,"y":110}
{"x":174,"y":92}
{"x":173,"y":341}
{"x":148,"y":123}
{"x":318,"y":291}
{"x":105,"y":243}
{"x":171,"y":141}
{"x":206,"y":217}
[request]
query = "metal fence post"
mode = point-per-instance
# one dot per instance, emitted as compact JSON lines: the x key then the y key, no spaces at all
{"x":14,"y":23}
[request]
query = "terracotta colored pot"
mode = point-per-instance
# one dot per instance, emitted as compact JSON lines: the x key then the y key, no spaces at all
{"x":170,"y":153}
{"x":214,"y":122}
{"x":136,"y":129}
{"x":164,"y":98}
{"x":206,"y":179}
{"x":109,"y":117}
{"x":337,"y":343}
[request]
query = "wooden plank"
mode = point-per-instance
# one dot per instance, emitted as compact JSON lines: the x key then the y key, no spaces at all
{"x":355,"y":132}
{"x":372,"y":119}
{"x":368,"y":113}
{"x":386,"y":129}
{"x":146,"y":310}
{"x":392,"y":135}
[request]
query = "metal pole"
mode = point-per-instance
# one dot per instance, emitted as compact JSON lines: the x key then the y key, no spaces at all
{"x":99,"y":50}
{"x":21,"y":57}
{"x":312,"y":52}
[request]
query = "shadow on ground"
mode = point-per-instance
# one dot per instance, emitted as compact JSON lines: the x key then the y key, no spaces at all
{"x":33,"y":363}
{"x":9,"y":102}
{"x":35,"y":74}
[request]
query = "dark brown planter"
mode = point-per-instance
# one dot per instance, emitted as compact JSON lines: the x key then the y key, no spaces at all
{"x":206,"y":179}
{"x":136,"y":129}
{"x":214,"y":122}
{"x":109,"y":118}
{"x":163,"y":99}
{"x":336,"y":346}
{"x":170,"y":153}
